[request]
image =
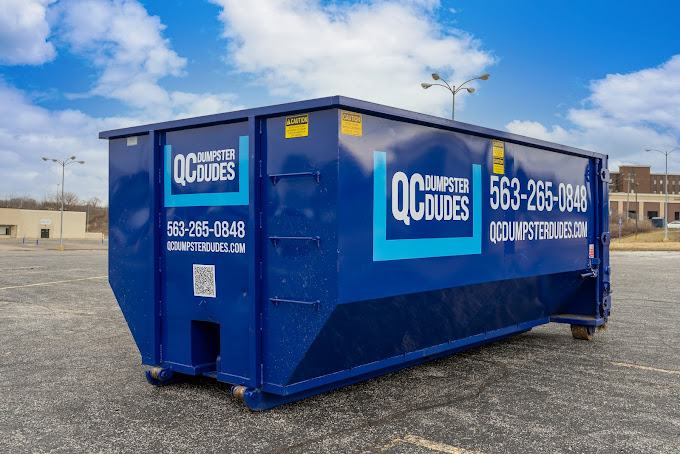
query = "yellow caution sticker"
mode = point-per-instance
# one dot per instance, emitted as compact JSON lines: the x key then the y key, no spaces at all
{"x":350,"y":123}
{"x":499,"y":157}
{"x":297,"y":126}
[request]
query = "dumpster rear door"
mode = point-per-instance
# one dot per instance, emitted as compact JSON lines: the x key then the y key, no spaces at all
{"x":206,"y":254}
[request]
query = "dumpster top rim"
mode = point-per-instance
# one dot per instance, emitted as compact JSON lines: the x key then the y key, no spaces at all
{"x":344,"y":102}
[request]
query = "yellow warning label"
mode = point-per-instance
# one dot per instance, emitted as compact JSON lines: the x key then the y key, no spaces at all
{"x":297,"y":126}
{"x":350,"y":123}
{"x":498,"y":157}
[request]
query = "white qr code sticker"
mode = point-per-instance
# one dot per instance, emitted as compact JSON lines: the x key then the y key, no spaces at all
{"x":204,"y":280}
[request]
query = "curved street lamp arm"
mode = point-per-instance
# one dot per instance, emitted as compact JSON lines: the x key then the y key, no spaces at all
{"x":461,"y":85}
{"x":445,"y":86}
{"x":663,"y":152}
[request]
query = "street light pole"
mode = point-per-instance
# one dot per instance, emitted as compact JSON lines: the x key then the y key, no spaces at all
{"x":61,"y":228}
{"x":637,"y":210}
{"x":63,"y":164}
{"x":628,"y":203}
{"x":665,"y":209}
{"x":453,"y":89}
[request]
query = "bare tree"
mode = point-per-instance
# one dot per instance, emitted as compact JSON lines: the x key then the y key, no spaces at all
{"x":22,"y":201}
{"x":94,"y":202}
{"x":71,"y":200}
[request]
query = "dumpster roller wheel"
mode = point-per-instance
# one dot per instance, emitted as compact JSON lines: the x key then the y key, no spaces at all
{"x":238,"y":392}
{"x":582,"y":332}
{"x":160,"y":376}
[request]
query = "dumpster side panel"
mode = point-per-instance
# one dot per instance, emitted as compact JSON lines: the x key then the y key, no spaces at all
{"x":401,"y":328}
{"x":132,"y":248}
{"x":506,"y":251}
{"x":493,"y":226}
{"x":300,"y":198}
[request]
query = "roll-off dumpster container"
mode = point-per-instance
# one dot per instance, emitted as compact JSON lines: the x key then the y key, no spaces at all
{"x":293,"y":249}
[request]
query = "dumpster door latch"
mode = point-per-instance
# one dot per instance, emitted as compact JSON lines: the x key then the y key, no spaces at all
{"x":593,"y":263}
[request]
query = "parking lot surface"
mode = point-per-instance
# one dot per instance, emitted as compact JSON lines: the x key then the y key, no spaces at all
{"x":71,"y":380}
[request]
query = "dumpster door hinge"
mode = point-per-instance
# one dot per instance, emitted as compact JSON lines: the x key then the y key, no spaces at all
{"x":260,"y":270}
{"x":260,"y":168}
{"x":260,"y":219}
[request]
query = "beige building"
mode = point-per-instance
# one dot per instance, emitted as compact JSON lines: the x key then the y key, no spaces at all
{"x":17,"y":223}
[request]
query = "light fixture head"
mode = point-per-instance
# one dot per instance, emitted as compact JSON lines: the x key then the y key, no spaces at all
{"x":424,"y":85}
{"x":484,"y":77}
{"x":471,"y":90}
{"x":435,"y":76}
{"x":44,"y":158}
{"x":54,"y":160}
{"x":81,"y":162}
{"x":73,"y":157}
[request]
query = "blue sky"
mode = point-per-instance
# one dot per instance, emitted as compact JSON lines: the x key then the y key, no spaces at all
{"x":604,"y":75}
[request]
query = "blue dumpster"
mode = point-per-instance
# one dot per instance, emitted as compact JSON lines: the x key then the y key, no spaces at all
{"x":292,"y":249}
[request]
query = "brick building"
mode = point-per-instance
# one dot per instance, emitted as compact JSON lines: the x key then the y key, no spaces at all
{"x":650,"y":190}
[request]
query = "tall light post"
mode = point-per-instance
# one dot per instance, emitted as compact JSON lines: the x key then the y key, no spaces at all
{"x":63,"y":164}
{"x":453,"y":89}
{"x":665,"y":190}
{"x":628,"y":202}
{"x":637,"y":210}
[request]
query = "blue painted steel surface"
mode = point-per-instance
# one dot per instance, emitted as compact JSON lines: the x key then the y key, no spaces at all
{"x":133,"y":241}
{"x":296,"y":255}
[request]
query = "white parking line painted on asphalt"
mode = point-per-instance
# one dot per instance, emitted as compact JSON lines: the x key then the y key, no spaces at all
{"x":428,"y":444}
{"x":653,"y":369}
{"x":53,"y":282}
{"x":21,"y":268}
{"x":42,"y":271}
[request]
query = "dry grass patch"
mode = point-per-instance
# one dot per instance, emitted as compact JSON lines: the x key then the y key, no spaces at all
{"x":647,"y":241}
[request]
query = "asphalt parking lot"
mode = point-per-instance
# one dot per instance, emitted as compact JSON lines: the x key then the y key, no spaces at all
{"x":71,"y":380}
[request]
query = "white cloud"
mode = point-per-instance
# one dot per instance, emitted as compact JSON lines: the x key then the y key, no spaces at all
{"x":127,"y":47}
{"x":624,"y":115}
{"x":538,"y":131}
{"x":125,"y":44}
{"x":29,"y":132}
{"x":650,"y":96}
{"x":24,"y":32}
{"x":194,"y":105}
{"x":377,"y":51}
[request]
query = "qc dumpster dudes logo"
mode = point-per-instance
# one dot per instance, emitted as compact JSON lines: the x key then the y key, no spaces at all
{"x":204,"y":166}
{"x":418,"y":199}
{"x":207,"y":177}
